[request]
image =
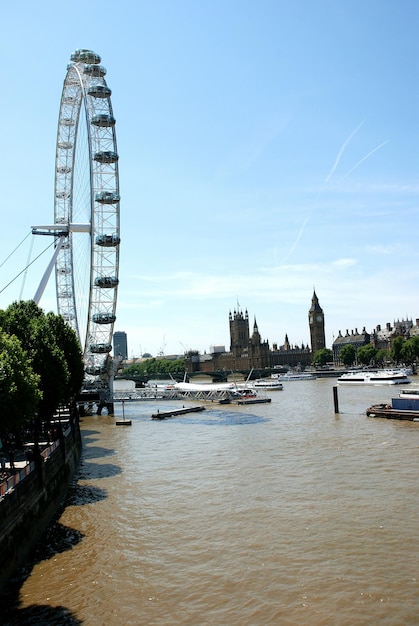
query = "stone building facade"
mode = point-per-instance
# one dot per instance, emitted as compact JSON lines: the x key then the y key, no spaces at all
{"x":316,"y":324}
{"x":354,"y":337}
{"x":381,"y":338}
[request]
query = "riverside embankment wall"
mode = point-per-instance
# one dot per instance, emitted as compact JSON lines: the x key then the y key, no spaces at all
{"x":29,"y":506}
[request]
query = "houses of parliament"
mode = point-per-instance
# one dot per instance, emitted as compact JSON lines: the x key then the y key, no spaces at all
{"x":249,"y":351}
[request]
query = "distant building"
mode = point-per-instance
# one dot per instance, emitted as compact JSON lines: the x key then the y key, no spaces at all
{"x":217,"y":349}
{"x":380,"y":338}
{"x":287,"y":355}
{"x":250,"y":351}
{"x":120,"y":345}
{"x":316,"y":324}
{"x":414,"y":331}
{"x":354,"y":338}
{"x":239,"y":332}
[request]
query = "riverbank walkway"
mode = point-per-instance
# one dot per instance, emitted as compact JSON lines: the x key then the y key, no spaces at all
{"x":21,"y":466}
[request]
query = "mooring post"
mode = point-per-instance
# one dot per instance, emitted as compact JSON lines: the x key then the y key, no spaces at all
{"x":335,"y":399}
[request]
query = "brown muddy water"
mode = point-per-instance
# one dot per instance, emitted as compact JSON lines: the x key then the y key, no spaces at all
{"x":282,"y":513}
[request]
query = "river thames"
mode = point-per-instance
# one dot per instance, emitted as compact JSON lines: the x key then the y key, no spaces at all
{"x":283,"y":513}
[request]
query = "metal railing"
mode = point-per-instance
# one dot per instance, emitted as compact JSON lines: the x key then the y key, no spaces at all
{"x":8,"y":484}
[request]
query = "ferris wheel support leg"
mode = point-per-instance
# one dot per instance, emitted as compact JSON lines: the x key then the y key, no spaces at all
{"x":113,"y":368}
{"x":105,"y":401}
{"x":37,"y":297}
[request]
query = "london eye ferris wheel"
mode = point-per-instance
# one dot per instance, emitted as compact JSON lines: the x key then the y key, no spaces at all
{"x":86,"y":209}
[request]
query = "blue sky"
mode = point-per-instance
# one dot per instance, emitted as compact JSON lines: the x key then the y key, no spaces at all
{"x":266,"y":148}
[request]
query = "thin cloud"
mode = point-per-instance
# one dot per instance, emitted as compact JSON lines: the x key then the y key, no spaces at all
{"x":381,"y":249}
{"x":344,"y":263}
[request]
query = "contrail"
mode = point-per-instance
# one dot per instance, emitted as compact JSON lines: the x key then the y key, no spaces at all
{"x":362,"y":160}
{"x":328,"y":177}
{"x":341,"y":151}
{"x":297,"y":238}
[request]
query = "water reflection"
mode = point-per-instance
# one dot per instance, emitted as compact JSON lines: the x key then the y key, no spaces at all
{"x":223,"y":418}
{"x":56,"y":539}
{"x":38,"y":615}
{"x":85,"y":494}
{"x":97,"y":452}
{"x":96,"y":470}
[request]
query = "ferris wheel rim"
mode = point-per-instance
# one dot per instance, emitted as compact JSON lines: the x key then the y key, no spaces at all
{"x":86,"y":105}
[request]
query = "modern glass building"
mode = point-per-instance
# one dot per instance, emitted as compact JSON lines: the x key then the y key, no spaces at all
{"x":120,"y":346}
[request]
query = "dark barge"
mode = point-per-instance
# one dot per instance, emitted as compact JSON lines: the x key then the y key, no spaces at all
{"x":253,"y":401}
{"x":385,"y":410}
{"x":404,"y":407}
{"x":161,"y":415}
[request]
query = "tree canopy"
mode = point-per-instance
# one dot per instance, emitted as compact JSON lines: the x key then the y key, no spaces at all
{"x":347,"y":355}
{"x":154,"y":366}
{"x":19,"y":385}
{"x":52,"y":351}
{"x":66,"y":338}
{"x":396,"y":349}
{"x":323,"y":356}
{"x":382,"y":356}
{"x":366,"y":354}
{"x":410,"y":350}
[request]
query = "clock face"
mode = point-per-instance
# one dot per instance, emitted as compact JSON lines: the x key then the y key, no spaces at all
{"x":311,"y":319}
{"x":319,"y":318}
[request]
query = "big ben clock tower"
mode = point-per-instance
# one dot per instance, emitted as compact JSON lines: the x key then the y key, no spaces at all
{"x":316,"y":323}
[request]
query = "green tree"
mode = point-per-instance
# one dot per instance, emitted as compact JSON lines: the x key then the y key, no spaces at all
{"x":410,"y":350}
{"x":382,"y":356}
{"x":66,"y":338}
{"x":39,"y":336}
{"x":396,"y":349}
{"x":19,"y":385}
{"x":155,"y":366}
{"x":347,"y":355}
{"x":133,"y":370}
{"x":366,"y":354}
{"x":323,"y":356}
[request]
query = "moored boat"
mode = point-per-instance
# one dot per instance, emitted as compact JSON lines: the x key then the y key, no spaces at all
{"x":253,"y":400}
{"x":290,"y":376}
{"x":268,"y":384}
{"x":412,"y":393}
{"x":404,"y":407}
{"x":248,"y":394}
{"x":217,"y":392}
{"x":380,"y":377}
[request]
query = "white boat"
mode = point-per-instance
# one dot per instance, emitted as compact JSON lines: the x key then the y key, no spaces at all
{"x":202,"y":388}
{"x":294,"y":376}
{"x":381,"y":377}
{"x":411,"y":394}
{"x":215,"y":391}
{"x":268,"y":384}
{"x":404,"y":370}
